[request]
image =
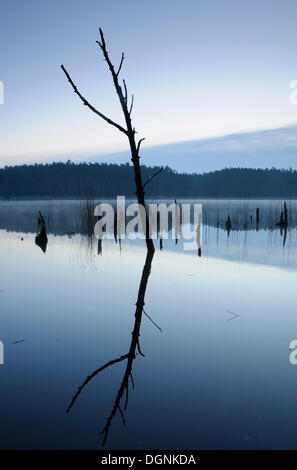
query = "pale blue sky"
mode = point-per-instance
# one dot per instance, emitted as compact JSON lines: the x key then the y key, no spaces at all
{"x":197,"y":69}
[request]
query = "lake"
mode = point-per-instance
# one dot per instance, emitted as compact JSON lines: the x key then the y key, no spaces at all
{"x":214,"y":334}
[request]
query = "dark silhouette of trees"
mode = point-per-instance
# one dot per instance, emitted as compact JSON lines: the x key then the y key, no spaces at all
{"x":59,"y":180}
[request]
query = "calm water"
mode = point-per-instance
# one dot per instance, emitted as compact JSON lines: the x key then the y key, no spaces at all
{"x":217,"y":376}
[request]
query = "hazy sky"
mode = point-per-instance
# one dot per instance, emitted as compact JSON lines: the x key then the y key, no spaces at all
{"x":197,"y":69}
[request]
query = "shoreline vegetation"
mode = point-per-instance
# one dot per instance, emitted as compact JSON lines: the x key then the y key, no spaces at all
{"x":88,"y":180}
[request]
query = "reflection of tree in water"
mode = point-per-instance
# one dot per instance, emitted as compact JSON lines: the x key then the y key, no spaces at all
{"x":130,"y":356}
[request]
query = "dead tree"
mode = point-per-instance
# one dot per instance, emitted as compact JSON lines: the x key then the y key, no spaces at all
{"x":128,"y":130}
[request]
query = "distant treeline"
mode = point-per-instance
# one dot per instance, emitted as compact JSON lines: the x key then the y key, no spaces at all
{"x":62,"y":180}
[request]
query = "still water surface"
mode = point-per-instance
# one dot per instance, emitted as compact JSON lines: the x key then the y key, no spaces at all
{"x":217,"y":376}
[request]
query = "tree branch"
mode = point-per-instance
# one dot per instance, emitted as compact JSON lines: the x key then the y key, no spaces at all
{"x":139,"y":144}
{"x":126,"y":92}
{"x":92,"y":108}
{"x":118,"y":88}
{"x":121,"y":63}
{"x":131,"y":106}
{"x":150,"y":179}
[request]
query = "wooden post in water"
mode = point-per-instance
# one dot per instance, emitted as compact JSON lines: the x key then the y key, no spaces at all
{"x":228,"y":225}
{"x":257,"y":218}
